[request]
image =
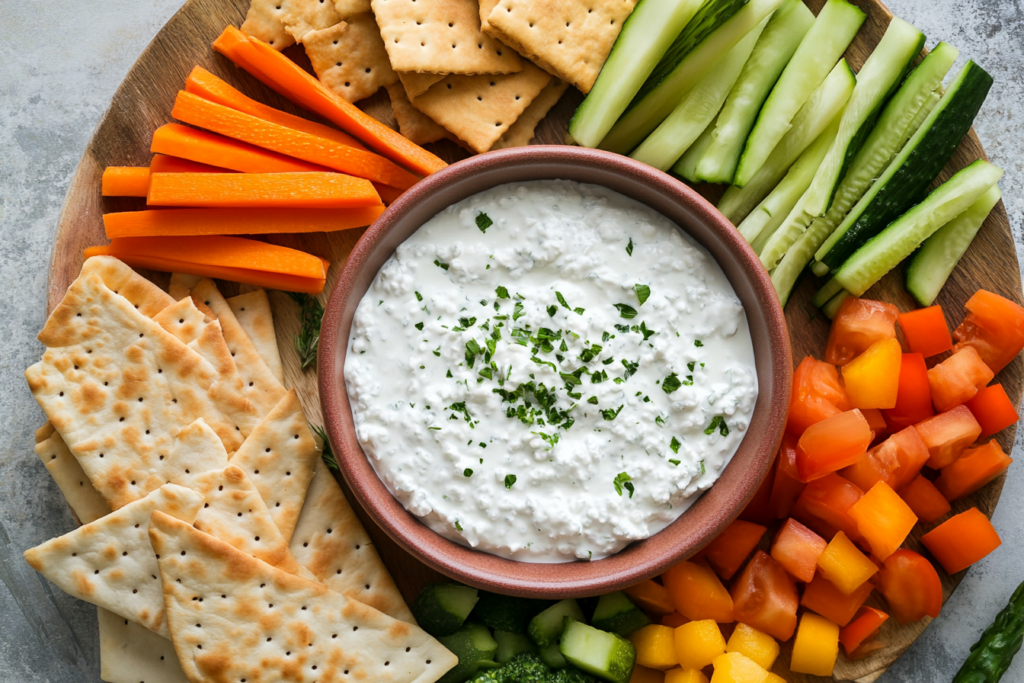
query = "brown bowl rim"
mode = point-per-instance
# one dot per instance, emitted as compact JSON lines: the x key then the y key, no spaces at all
{"x":696,"y":527}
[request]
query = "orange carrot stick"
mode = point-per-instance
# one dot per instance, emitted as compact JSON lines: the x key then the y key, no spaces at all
{"x":196,"y":222}
{"x":161,"y":163}
{"x":279,"y":281}
{"x":262,"y":190}
{"x":125,"y":181}
{"x":289,"y":79}
{"x":202,"y":113}
{"x":207,"y":148}
{"x":204,"y":84}
{"x":387,"y":194}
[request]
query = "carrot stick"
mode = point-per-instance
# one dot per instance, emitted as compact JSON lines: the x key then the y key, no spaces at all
{"x":289,"y":79}
{"x":207,"y":148}
{"x":262,"y":190}
{"x":189,"y":222}
{"x":279,"y":281}
{"x":125,"y":181}
{"x":204,"y":84}
{"x":161,"y":163}
{"x":387,"y":194}
{"x":202,"y":113}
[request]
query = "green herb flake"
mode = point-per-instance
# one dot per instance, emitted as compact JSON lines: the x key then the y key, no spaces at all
{"x":660,"y":421}
{"x":674,"y":445}
{"x":552,"y":309}
{"x":510,"y":480}
{"x":551,"y":439}
{"x":717,"y":422}
{"x":592,"y":400}
{"x":518,"y":312}
{"x":629,"y":247}
{"x":449,"y":373}
{"x":483,"y":221}
{"x":467,"y":472}
{"x":702,"y":470}
{"x":690,"y":365}
{"x":675,"y":462}
{"x":458,"y":527}
{"x":671,"y":383}
{"x":561,"y":300}
{"x":698,"y":343}
{"x":643,"y":293}
{"x":626,"y":311}
{"x":307,"y":341}
{"x":501,"y":292}
{"x":327,"y":454}
{"x":437,"y":351}
{"x":419,"y":326}
{"x":609,"y":414}
{"x":419,"y":297}
{"x":623,"y":481}
{"x":439,"y":264}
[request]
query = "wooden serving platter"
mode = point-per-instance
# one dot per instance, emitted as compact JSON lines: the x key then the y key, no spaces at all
{"x":144,"y":101}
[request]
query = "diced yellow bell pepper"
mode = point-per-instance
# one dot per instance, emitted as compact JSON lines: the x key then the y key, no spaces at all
{"x":680,"y":675}
{"x":816,"y":646}
{"x":873,"y":378}
{"x":641,"y":674}
{"x":698,"y":643}
{"x":844,"y":565}
{"x":755,"y":645}
{"x":736,"y":668}
{"x":774,"y":678}
{"x":651,"y":596}
{"x":655,"y":646}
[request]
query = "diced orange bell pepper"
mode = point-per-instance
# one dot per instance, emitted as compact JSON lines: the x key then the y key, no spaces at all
{"x":832,"y":444}
{"x":757,"y":646}
{"x":821,"y":596}
{"x":732,"y":547}
{"x":914,"y":397}
{"x":786,"y":487}
{"x":972,"y":470}
{"x":895,"y":461}
{"x":655,"y":646}
{"x":924,"y":499}
{"x":884,"y":519}
{"x":844,"y":565}
{"x":651,"y":597}
{"x":697,"y":593}
{"x":816,"y":646}
{"x":926,"y":331}
{"x":797,"y":548}
{"x":957,"y":379}
{"x":674,"y":619}
{"x":911,"y":586}
{"x":876,"y":420}
{"x":872,"y":379}
{"x":765,"y":597}
{"x":993,"y":409}
{"x":994,"y":327}
{"x":734,"y":667}
{"x":947,"y":435}
{"x":641,"y":674}
{"x":698,"y":643}
{"x":680,"y":675}
{"x":758,"y":510}
{"x":861,"y":631}
{"x":816,"y":395}
{"x":962,"y":540}
{"x":858,"y":324}
{"x":824,"y":507}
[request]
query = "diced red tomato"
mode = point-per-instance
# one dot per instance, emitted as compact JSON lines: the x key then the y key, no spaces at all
{"x":727,"y":553}
{"x":821,"y":596}
{"x":924,"y":499}
{"x":911,"y":586}
{"x":947,"y":435}
{"x":896,"y":461}
{"x":972,"y":470}
{"x":765,"y":597}
{"x":872,"y":379}
{"x":824,"y":507}
{"x":994,"y":328}
{"x":797,"y":549}
{"x":816,"y":395}
{"x":957,"y":379}
{"x":859,"y":324}
{"x":875,"y":420}
{"x":759,"y":510}
{"x":926,"y":331}
{"x":962,"y":540}
{"x":914,"y":397}
{"x":787,"y":486}
{"x":861,"y":632}
{"x":832,"y":444}
{"x":993,"y":409}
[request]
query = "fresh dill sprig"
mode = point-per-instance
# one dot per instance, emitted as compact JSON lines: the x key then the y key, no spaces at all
{"x":311,"y":314}
{"x":327,"y":454}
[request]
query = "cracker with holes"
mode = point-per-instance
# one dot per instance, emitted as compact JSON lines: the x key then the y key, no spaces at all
{"x":569,"y":38}
{"x":346,"y":8}
{"x":412,"y":123}
{"x":264,"y":21}
{"x":486,"y":7}
{"x":330,"y":541}
{"x":416,"y":84}
{"x":523,"y":130}
{"x":86,"y":502}
{"x":349,"y":58}
{"x":147,"y":298}
{"x":253,"y":313}
{"x":302,"y":16}
{"x":110,"y":562}
{"x":479,"y":109}
{"x":130,"y":653}
{"x":240,"y":618}
{"x":181,"y":283}
{"x":441,"y":37}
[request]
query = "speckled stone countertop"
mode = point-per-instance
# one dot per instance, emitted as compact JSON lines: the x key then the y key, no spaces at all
{"x":60,"y":62}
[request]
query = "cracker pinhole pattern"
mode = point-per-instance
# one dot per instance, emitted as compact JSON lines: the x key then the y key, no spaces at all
{"x":86,"y":502}
{"x":254,"y":314}
{"x":264,"y":20}
{"x":300,"y":17}
{"x":130,"y":653}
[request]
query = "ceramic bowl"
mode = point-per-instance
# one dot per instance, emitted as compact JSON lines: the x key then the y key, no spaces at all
{"x":716,"y":508}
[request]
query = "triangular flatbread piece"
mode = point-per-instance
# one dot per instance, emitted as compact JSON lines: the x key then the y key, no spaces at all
{"x":130,"y":653}
{"x":110,"y":562}
{"x":330,"y":541}
{"x":278,"y":457}
{"x":205,"y":337}
{"x":233,"y":617}
{"x":147,"y":298}
{"x":253,"y":313}
{"x":86,"y":502}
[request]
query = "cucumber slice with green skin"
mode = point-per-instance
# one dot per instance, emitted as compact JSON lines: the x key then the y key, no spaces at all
{"x":646,"y":35}
{"x":474,"y":647}
{"x":787,"y":273}
{"x":686,"y":167}
{"x":512,"y":644}
{"x":546,"y":627}
{"x":905,"y":181}
{"x":786,"y":28}
{"x":552,"y":656}
{"x":617,"y":614}
{"x":823,"y":107}
{"x":608,"y":656}
{"x":825,"y":294}
{"x":441,"y":608}
{"x":825,"y":42}
{"x":506,"y":612}
{"x":935,"y":260}
{"x":884,"y":251}
{"x":648,"y":111}
{"x":831,"y":307}
{"x":877,"y":80}
{"x":697,"y":109}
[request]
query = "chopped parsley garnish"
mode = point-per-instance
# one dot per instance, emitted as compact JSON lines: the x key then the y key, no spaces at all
{"x":437,"y":351}
{"x":538,"y":361}
{"x":419,"y":326}
{"x":501,"y":292}
{"x":631,"y":367}
{"x":574,"y":378}
{"x":518,"y":313}
{"x":629,"y":247}
{"x":675,"y":462}
{"x":643,"y":293}
{"x":552,"y":309}
{"x":691,"y":365}
{"x":467,"y":472}
{"x":674,"y":445}
{"x":623,"y":481}
{"x":688,"y":382}
{"x":483,"y":221}
{"x":671,"y":383}
{"x":551,"y":439}
{"x":561,"y":300}
{"x":717,"y":422}
{"x":626,"y":311}
{"x":598,"y":377}
{"x":441,"y":265}
{"x":591,"y":352}
{"x":460,"y":407}
{"x":449,"y":373}
{"x":698,"y":343}
{"x":419,"y":297}
{"x":464,"y":324}
{"x":610,"y":414}
{"x":622,"y":328}
{"x":644,"y":331}
{"x":605,"y":337}
{"x":458,"y":527}
{"x":592,"y":400}
{"x":510,"y":480}
{"x":702,"y":470}
{"x":660,"y":421}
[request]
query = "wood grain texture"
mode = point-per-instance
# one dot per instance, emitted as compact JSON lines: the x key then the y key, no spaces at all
{"x":144,"y":101}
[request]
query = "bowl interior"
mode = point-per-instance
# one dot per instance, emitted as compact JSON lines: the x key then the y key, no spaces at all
{"x":715,"y":509}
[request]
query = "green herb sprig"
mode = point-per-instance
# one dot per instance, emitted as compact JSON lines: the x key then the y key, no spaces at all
{"x":311,"y":314}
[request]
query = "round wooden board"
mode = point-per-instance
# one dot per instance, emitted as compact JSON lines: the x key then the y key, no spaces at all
{"x":144,"y":101}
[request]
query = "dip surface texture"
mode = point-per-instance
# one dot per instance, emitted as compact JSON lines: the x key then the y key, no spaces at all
{"x":548,"y":371}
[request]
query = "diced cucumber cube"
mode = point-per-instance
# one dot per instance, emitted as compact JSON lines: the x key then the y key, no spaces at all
{"x":512,"y":644}
{"x":441,"y":608}
{"x":552,"y":656}
{"x":546,"y":627}
{"x":605,"y":655}
{"x":616,"y":613}
{"x":474,"y":647}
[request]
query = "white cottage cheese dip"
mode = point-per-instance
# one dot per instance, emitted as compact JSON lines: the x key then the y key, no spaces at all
{"x":548,"y":371}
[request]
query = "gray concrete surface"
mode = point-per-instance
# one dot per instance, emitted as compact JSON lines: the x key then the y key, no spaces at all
{"x":60,"y":62}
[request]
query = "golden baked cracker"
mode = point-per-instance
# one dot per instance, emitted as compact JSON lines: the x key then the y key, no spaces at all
{"x":252,"y":310}
{"x":523,"y":130}
{"x":71,"y":479}
{"x":263,"y":21}
{"x":569,"y":38}
{"x":479,"y":109}
{"x":412,"y":123}
{"x":347,"y":8}
{"x":416,"y":83}
{"x":486,"y":7}
{"x":302,"y":16}
{"x":130,"y":653}
{"x":442,"y":37}
{"x":147,"y":298}
{"x":350,"y":58}
{"x":181,"y":284}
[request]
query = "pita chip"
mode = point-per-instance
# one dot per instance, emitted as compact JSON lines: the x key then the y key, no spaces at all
{"x":330,"y":541}
{"x":252,"y":311}
{"x":110,"y":562}
{"x":264,"y":21}
{"x":302,"y":16}
{"x":130,"y":653}
{"x":278,"y":458}
{"x":147,"y":298}
{"x":416,"y":84}
{"x":349,"y":58}
{"x":412,"y":123}
{"x":233,"y":617}
{"x":86,"y":502}
{"x":523,"y":130}
{"x":181,"y":285}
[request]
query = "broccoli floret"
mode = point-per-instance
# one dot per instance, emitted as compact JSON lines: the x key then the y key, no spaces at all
{"x":529,"y":668}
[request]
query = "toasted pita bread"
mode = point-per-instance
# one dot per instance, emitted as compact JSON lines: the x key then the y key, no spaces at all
{"x":252,"y":311}
{"x":130,"y":653}
{"x":86,"y":502}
